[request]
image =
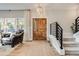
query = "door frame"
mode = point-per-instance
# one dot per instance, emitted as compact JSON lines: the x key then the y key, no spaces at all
{"x":33,"y":26}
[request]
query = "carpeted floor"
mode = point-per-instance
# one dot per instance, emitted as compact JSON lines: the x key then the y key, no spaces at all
{"x":34,"y":48}
{"x":4,"y":50}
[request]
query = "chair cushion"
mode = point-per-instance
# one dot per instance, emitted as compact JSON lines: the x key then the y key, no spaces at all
{"x":6,"y":35}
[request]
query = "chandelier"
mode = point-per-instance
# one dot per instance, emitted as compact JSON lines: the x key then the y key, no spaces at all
{"x":40,"y":9}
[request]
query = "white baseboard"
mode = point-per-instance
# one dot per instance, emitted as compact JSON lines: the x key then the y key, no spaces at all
{"x":29,"y":40}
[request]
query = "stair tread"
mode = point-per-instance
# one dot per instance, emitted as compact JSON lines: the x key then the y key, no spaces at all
{"x":70,"y":42}
{"x":71,"y":45}
{"x":72,"y":48}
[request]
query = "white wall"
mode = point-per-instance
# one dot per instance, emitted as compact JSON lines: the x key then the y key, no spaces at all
{"x":65,"y":17}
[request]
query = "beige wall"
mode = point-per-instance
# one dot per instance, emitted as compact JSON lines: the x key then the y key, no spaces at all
{"x":14,"y":14}
{"x":64,"y":16}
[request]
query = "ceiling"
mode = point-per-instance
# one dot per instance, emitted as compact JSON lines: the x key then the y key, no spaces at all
{"x":22,"y":6}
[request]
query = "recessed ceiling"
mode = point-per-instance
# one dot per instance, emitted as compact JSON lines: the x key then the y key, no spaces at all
{"x":15,"y":6}
{"x":21,"y":6}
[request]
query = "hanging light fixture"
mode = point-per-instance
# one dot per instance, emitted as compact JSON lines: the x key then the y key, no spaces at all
{"x":40,"y":9}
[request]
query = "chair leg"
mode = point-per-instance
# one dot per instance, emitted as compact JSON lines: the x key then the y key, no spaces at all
{"x":12,"y":45}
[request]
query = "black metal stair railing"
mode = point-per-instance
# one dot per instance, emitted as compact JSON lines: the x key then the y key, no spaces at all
{"x":56,"y":30}
{"x":77,"y":24}
{"x":59,"y":34}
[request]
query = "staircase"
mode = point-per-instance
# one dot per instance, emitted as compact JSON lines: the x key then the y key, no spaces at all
{"x":71,"y":47}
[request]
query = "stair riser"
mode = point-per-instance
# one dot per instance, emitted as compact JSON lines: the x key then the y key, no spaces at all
{"x":68,"y":39}
{"x":72,"y":53}
{"x":72,"y":45}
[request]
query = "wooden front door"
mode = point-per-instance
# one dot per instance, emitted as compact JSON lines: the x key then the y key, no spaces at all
{"x":39,"y":28}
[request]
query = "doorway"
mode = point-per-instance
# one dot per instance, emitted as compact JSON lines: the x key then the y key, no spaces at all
{"x":39,"y":28}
